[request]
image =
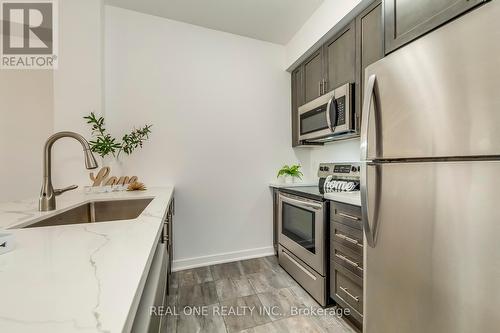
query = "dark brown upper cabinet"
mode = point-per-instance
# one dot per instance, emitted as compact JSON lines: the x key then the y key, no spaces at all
{"x":370,"y":48}
{"x":382,"y":27}
{"x":313,"y":76}
{"x":340,"y":56}
{"x":406,"y":20}
{"x":332,"y":65}
{"x":297,"y":100}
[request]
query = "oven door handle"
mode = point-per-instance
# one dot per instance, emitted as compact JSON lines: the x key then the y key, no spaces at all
{"x":316,"y":206}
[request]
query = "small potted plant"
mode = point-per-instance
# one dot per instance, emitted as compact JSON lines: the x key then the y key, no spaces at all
{"x":289,"y":173}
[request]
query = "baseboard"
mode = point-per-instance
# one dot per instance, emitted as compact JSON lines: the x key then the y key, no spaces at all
{"x":181,"y":264}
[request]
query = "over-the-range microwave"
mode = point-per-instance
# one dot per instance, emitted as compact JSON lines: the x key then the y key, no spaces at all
{"x":328,"y":116}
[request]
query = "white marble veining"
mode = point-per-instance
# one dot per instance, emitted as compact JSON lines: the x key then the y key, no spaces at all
{"x":351,"y":198}
{"x":77,"y":278}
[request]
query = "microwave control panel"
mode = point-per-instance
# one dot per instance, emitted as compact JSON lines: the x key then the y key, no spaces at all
{"x":340,"y":105}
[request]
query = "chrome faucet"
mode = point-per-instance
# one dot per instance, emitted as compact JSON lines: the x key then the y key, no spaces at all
{"x":48,"y":194}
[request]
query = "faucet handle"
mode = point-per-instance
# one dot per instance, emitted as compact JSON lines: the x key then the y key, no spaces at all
{"x":59,"y":191}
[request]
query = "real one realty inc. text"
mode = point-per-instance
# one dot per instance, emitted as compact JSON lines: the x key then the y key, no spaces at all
{"x":222,"y":310}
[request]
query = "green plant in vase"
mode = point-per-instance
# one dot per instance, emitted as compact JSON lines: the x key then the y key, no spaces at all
{"x":104,"y":144}
{"x":289,"y":173}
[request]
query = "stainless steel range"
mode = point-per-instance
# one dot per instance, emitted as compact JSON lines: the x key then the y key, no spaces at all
{"x":303,"y":227}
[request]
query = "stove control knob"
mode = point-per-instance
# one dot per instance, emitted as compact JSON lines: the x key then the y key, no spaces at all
{"x":354,"y":169}
{"x":326,"y":168}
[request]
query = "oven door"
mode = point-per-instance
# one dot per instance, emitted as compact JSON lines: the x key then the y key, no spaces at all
{"x":314,"y":118}
{"x":301,"y":229}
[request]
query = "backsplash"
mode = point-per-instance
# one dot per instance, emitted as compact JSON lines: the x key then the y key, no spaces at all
{"x":338,"y":151}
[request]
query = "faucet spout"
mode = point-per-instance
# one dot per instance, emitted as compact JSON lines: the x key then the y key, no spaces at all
{"x":48,"y":194}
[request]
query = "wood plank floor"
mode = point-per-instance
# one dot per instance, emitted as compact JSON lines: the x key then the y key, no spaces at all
{"x":259,"y":284}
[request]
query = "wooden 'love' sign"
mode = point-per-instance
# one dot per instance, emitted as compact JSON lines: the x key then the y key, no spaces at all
{"x":101,"y":179}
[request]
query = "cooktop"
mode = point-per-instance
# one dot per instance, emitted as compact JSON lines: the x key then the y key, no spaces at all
{"x":333,"y":177}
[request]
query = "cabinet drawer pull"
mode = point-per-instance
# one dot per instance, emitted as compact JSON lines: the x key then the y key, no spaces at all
{"x":350,"y":262}
{"x":345,"y":290}
{"x":349,"y":239}
{"x":347,"y":216}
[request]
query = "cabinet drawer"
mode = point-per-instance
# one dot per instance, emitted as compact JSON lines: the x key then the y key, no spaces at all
{"x":347,"y":258}
{"x":308,"y":278}
{"x":349,"y":291}
{"x":346,"y":214}
{"x":349,"y":237}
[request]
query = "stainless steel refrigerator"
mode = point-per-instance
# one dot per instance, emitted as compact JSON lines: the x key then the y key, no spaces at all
{"x":431,"y":181}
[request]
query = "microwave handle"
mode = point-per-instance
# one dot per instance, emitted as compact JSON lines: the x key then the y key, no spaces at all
{"x":331,"y":103}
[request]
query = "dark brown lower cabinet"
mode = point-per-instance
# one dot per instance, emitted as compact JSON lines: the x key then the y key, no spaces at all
{"x":153,"y":294}
{"x":276,"y":193}
{"x":346,"y":260}
{"x":156,"y":288}
{"x":168,"y":238}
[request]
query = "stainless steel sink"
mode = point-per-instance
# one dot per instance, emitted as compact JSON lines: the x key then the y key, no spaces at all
{"x":98,"y":211}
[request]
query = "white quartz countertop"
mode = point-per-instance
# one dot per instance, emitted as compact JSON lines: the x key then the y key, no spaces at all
{"x":77,"y":278}
{"x":277,"y":184}
{"x":351,"y":198}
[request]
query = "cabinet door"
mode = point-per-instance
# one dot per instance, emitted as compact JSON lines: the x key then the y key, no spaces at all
{"x":406,"y":20}
{"x":313,"y":75}
{"x":297,"y":100}
{"x":370,"y":48}
{"x":152,"y":295}
{"x":340,"y":55}
{"x":275,"y":218}
{"x":170,"y":242}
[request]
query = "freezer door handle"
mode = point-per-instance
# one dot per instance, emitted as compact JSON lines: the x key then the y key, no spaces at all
{"x":370,"y":222}
{"x":371,"y":95}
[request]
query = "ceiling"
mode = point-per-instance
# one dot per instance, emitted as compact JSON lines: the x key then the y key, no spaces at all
{"x":274,"y":21}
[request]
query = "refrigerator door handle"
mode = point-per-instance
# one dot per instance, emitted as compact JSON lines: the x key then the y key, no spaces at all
{"x":370,"y":224}
{"x":370,"y":95}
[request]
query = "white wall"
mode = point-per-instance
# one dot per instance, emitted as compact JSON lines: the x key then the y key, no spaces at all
{"x":323,"y":19}
{"x":34,"y":104}
{"x":77,"y":84}
{"x":26,"y":120}
{"x":220,"y":109}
